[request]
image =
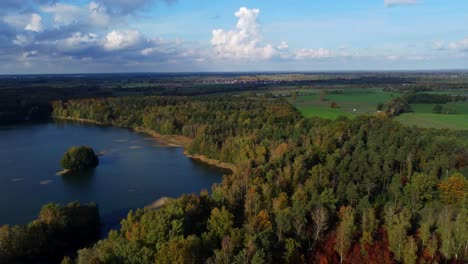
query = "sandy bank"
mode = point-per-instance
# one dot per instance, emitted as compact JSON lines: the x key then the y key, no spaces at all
{"x":158,"y":203}
{"x":166,"y":140}
{"x":212,"y":162}
{"x":62,"y":172}
{"x":78,"y":120}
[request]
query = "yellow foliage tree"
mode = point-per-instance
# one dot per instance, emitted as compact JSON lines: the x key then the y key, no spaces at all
{"x":453,"y":189}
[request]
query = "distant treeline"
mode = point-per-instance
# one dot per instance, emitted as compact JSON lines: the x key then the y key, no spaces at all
{"x":367,"y":190}
{"x":426,"y":98}
{"x":58,"y":231}
{"x":401,"y":104}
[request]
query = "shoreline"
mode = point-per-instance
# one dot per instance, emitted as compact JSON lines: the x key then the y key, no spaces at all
{"x":83,"y":120}
{"x":168,"y":141}
{"x":212,"y":162}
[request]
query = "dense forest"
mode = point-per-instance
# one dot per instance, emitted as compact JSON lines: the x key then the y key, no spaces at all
{"x":57,"y":231}
{"x":363,"y":190}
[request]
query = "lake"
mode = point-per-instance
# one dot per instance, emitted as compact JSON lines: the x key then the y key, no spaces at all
{"x":136,"y":170}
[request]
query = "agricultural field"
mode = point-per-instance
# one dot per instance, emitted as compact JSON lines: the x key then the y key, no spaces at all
{"x":350,"y":102}
{"x":423,"y":116}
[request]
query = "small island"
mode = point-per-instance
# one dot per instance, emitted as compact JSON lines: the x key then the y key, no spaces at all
{"x":79,"y":158}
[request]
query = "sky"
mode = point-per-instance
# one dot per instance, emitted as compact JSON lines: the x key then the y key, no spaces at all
{"x":101,"y":36}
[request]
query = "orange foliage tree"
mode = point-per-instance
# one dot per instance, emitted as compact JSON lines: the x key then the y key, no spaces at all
{"x":453,"y":189}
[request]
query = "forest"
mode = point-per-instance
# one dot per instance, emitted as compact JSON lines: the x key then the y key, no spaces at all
{"x":57,"y":231}
{"x":306,"y":190}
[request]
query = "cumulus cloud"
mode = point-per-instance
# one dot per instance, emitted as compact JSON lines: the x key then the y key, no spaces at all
{"x":35,"y":23}
{"x":34,"y":33}
{"x":18,"y":21}
{"x":461,"y":45}
{"x":78,"y":41}
{"x":390,"y":3}
{"x":117,"y":40}
{"x":244,"y":42}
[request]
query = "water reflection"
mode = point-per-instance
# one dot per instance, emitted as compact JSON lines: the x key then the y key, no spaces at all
{"x":79,"y":179}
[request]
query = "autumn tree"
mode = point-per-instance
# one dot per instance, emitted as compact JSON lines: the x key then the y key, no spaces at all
{"x":397,"y":224}
{"x":320,"y":220}
{"x":454,"y":189}
{"x":344,"y":231}
{"x":368,"y":227}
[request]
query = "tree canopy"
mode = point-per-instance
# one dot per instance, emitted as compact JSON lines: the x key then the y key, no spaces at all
{"x":78,"y":158}
{"x":306,"y":190}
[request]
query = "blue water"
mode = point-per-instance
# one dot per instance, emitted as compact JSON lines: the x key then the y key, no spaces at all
{"x":136,"y":171}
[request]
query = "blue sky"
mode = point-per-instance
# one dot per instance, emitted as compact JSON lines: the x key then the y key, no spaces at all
{"x":61,"y":36}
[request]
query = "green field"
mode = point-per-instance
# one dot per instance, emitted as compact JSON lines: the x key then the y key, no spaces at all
{"x":422,"y":116}
{"x":351,"y":102}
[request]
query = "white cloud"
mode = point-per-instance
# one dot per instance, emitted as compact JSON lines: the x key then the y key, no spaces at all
{"x":26,"y":57}
{"x":313,"y":54}
{"x":461,"y":45}
{"x":17,"y":21}
{"x":283,"y":46}
{"x":29,"y":54}
{"x":117,"y":40}
{"x":93,"y":14}
{"x":390,"y":3}
{"x":35,"y":23}
{"x":244,"y":42}
{"x":78,"y":41}
{"x":21,"y":40}
{"x":64,"y":14}
{"x":98,"y":15}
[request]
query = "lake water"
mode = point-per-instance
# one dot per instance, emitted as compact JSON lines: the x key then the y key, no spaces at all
{"x":136,"y":171}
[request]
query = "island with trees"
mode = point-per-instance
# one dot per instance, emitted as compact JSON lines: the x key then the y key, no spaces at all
{"x":79,"y":158}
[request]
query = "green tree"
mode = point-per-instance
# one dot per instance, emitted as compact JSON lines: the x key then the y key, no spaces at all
{"x":293,"y":97}
{"x":220,"y":222}
{"x":397,"y":224}
{"x":292,"y":252}
{"x":380,"y":106}
{"x":368,"y":226}
{"x":437,"y":109}
{"x":445,"y":231}
{"x":178,"y":250}
{"x":52,"y":214}
{"x":77,"y":158}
